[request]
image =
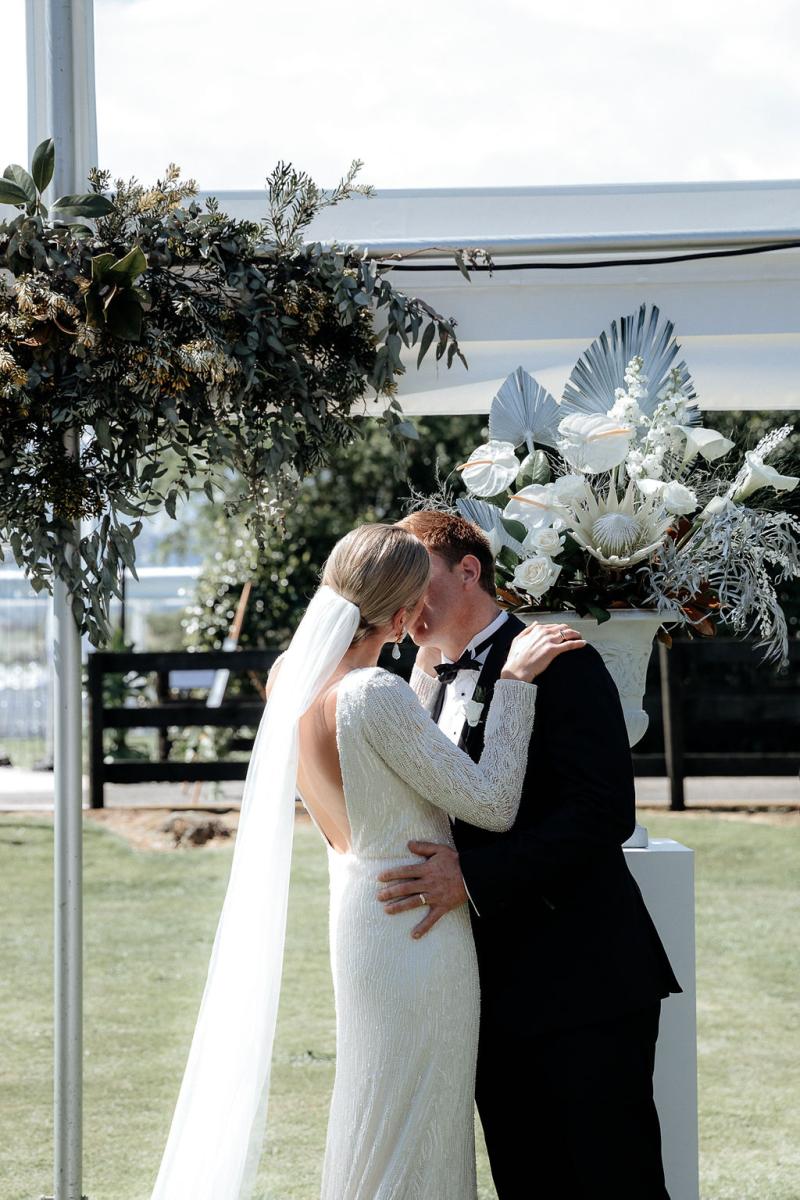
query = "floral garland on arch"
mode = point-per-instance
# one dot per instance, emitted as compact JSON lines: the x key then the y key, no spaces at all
{"x":174,"y":347}
{"x":624,"y":499}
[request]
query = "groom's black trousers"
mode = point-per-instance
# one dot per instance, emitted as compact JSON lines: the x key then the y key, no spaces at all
{"x":569,"y":1114}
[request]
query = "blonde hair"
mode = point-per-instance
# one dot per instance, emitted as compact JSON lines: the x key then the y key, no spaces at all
{"x":379,"y":568}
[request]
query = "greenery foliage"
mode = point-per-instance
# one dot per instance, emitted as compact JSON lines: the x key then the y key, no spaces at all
{"x":165,"y":328}
{"x":361,"y":482}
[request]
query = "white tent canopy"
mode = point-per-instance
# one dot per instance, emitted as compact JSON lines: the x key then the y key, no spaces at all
{"x":736,"y":318}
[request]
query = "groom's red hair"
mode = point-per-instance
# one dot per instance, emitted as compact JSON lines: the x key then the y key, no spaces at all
{"x":452,"y":537}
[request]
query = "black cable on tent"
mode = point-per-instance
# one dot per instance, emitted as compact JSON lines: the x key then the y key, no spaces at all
{"x":766,"y":248}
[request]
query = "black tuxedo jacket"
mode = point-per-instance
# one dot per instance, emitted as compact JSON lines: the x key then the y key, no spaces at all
{"x":563,"y":936}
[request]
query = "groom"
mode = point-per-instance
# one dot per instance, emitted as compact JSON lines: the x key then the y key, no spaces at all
{"x":572,"y":969}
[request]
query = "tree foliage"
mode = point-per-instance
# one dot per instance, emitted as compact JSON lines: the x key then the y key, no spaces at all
{"x":360,"y":483}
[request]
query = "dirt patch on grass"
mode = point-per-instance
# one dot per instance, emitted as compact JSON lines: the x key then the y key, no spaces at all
{"x":172,"y":828}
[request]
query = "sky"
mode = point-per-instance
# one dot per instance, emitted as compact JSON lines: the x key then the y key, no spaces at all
{"x":437,"y":94}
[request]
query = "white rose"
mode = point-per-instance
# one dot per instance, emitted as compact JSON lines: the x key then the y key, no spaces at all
{"x":571,"y":489}
{"x":536,"y":575}
{"x":543,"y":541}
{"x":677,"y":498}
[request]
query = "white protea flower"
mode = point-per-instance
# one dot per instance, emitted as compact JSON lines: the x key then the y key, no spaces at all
{"x":706,"y":442}
{"x":758,"y":474}
{"x":618,"y":532}
{"x":490,"y":469}
{"x":536,"y":506}
{"x":536,"y":575}
{"x":592,"y":442}
{"x":674,"y":496}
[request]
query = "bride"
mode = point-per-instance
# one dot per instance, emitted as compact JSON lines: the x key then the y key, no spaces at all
{"x":374,"y":772}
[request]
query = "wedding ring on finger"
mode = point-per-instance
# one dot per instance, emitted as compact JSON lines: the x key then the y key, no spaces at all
{"x":422,"y":899}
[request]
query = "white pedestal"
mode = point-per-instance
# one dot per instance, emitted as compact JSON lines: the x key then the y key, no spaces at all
{"x":664,"y":871}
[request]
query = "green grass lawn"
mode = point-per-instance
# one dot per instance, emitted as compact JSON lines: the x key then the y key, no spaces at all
{"x":148,"y":926}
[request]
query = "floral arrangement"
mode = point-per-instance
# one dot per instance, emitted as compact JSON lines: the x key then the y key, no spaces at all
{"x":150,"y":345}
{"x":624,"y":499}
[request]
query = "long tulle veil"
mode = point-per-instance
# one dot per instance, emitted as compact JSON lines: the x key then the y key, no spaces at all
{"x":217,"y":1130}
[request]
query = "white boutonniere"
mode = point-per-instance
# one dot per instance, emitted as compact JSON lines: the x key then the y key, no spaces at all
{"x":473,"y":709}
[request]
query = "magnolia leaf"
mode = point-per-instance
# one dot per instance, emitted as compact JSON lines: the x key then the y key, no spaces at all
{"x":514,"y":528}
{"x":44,"y":157}
{"x":126,"y":269}
{"x":11,"y":193}
{"x":100,"y":264}
{"x":534,"y":469}
{"x":22,"y":179}
{"x":124,"y":317}
{"x":87,"y":204}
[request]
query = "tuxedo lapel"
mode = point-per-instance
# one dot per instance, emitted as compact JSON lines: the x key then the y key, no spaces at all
{"x":471,"y":738}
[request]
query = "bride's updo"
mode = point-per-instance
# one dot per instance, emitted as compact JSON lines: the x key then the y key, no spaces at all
{"x":379,"y":568}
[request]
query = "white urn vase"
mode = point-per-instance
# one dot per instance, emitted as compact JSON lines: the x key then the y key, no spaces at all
{"x":625,"y":643}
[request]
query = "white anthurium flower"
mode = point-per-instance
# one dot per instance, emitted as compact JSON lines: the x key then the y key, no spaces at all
{"x":570,"y":490}
{"x":706,"y":442}
{"x":546,"y":540}
{"x":618,"y":532}
{"x":593,"y":442}
{"x":758,"y":474}
{"x":536,"y":575}
{"x":490,"y":469}
{"x":536,"y":506}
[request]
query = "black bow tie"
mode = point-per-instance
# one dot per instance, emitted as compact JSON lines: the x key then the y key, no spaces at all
{"x":447,"y":672}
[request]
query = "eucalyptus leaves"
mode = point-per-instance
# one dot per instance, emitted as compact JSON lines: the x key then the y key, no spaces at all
{"x":620,"y":500}
{"x":181,"y":347}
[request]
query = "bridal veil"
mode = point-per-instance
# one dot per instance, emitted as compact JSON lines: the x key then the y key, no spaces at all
{"x":217,"y":1130}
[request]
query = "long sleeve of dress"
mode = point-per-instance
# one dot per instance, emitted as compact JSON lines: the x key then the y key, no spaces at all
{"x":424,"y":687}
{"x":486,"y":793}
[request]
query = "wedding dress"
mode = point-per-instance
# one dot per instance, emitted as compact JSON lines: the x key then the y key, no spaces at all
{"x":401,"y":1123}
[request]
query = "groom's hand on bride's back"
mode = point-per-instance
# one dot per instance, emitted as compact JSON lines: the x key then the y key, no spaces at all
{"x":438,"y":880}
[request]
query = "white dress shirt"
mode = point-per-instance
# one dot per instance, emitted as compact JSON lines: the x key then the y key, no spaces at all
{"x":462,"y":689}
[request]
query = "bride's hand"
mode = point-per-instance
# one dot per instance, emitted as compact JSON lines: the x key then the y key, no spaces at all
{"x":535,"y":648}
{"x":427,"y":658}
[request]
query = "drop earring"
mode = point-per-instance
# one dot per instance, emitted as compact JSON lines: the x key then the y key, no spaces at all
{"x":396,"y":646}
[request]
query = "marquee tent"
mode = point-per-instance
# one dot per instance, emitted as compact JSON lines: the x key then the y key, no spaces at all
{"x":736,"y":315}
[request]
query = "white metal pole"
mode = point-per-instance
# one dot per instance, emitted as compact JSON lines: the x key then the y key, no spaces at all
{"x":61,"y":104}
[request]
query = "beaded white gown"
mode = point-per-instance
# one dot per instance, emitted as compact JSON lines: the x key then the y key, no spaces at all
{"x":401,"y":1123}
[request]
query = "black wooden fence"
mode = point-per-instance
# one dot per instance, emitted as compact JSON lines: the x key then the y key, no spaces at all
{"x":714,"y":710}
{"x":181,"y":713}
